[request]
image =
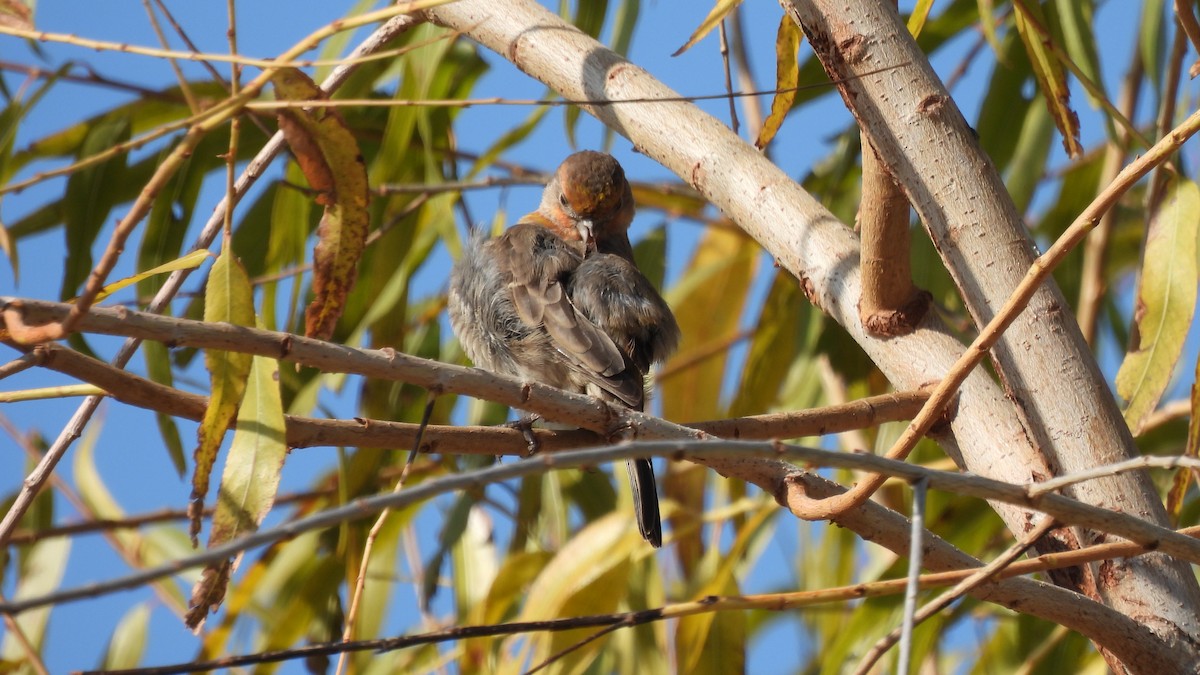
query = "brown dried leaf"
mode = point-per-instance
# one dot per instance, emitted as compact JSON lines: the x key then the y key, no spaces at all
{"x":328,"y":156}
{"x":207,"y":594}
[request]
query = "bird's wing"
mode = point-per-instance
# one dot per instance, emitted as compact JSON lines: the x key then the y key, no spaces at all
{"x":537,"y":264}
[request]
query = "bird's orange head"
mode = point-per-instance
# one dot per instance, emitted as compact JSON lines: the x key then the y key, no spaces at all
{"x":589,"y":199}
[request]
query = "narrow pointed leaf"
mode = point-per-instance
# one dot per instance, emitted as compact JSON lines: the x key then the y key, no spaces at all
{"x":787,"y":76}
{"x":716,"y":16}
{"x":41,"y":573}
{"x":250,"y":479}
{"x":228,"y":299}
{"x":1165,"y":303}
{"x":187,"y":262}
{"x":89,"y":199}
{"x":920,"y":14}
{"x":328,"y":154}
{"x":1051,"y":77}
{"x":128,"y":641}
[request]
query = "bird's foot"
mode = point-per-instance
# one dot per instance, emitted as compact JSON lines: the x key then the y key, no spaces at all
{"x":525,"y":426}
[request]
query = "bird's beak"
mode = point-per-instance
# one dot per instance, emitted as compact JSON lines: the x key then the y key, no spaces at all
{"x":586,"y":234}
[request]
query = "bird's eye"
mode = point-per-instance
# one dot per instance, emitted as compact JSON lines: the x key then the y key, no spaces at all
{"x":562,"y":198}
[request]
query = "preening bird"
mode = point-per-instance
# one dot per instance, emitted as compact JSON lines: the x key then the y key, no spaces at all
{"x":558,"y":299}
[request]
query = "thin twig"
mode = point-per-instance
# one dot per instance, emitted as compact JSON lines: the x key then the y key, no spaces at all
{"x":290,"y":61}
{"x":26,"y":537}
{"x":1092,"y":278}
{"x":92,"y":77}
{"x":132,"y":555}
{"x":361,"y":580}
{"x":1183,"y":11}
{"x":920,"y":488}
{"x":553,"y":404}
{"x":974,"y":580}
{"x":751,"y":107}
{"x":724,"y":47}
{"x":184,"y":86}
{"x":1068,"y":511}
{"x":309,"y":432}
{"x":24,"y":362}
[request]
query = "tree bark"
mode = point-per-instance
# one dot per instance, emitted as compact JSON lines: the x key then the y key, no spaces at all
{"x":1043,"y":361}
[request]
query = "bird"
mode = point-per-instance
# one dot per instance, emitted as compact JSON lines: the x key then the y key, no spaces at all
{"x":558,"y":299}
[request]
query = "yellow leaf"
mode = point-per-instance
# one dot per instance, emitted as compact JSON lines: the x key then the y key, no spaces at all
{"x":715,"y":642}
{"x":187,"y":262}
{"x":920,"y":14}
{"x":586,"y":577}
{"x":787,"y":76}
{"x":249,"y":481}
{"x":718,"y":14}
{"x":227,"y":298}
{"x":1165,"y":302}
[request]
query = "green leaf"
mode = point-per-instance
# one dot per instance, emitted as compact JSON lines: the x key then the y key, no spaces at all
{"x":624,"y":24}
{"x":255,"y":459}
{"x":1028,"y":163}
{"x":586,"y":577}
{"x":248,"y":483}
{"x":987,"y":23}
{"x":718,"y":275}
{"x":776,"y":342}
{"x":10,"y":251}
{"x":787,"y":77}
{"x":1075,"y":20}
{"x":1152,"y":41}
{"x":715,"y":642}
{"x":89,"y":199}
{"x":128,"y":642}
{"x":1051,"y":77}
{"x":227,"y":298}
{"x":41,"y":572}
{"x":509,"y":139}
{"x":1166,"y":301}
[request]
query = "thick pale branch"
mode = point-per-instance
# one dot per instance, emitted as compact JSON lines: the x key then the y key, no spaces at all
{"x":1044,"y":364}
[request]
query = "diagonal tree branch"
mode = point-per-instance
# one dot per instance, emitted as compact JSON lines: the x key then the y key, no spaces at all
{"x":918,"y":130}
{"x":305,"y":432}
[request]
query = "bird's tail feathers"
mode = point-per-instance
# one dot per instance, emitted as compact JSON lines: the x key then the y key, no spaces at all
{"x":645,"y":500}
